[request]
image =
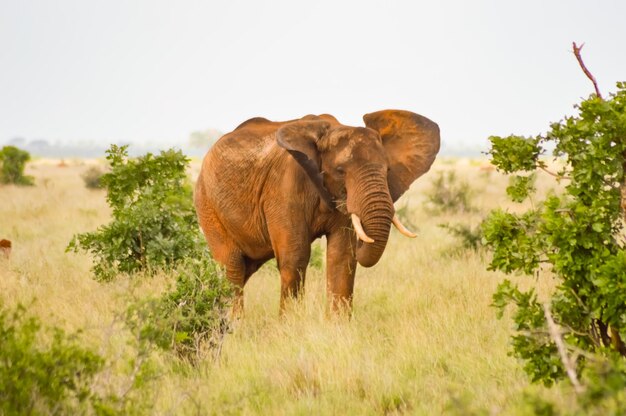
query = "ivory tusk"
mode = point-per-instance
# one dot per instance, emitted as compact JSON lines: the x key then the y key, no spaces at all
{"x":403,"y":230}
{"x":356,"y":222}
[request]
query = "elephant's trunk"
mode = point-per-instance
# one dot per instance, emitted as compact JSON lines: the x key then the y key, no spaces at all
{"x":369,"y":199}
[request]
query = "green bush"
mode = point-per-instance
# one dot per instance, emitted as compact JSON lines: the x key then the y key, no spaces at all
{"x":448,"y":194}
{"x":470,"y":237}
{"x":13,"y":161}
{"x":45,"y":371}
{"x":154,"y":223}
{"x":194,"y":314}
{"x":92,"y":177}
{"x":521,"y":187}
{"x":576,"y":238}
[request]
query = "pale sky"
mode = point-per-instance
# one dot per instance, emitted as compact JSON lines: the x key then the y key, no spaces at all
{"x":154,"y":71}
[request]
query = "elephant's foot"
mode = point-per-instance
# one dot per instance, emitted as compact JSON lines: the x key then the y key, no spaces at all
{"x":339,"y":306}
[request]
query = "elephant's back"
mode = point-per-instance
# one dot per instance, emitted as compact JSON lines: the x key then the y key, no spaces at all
{"x":244,"y":149}
{"x":234,"y":173}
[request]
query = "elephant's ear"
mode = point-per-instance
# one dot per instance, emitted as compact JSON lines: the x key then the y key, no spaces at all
{"x":411,"y":142}
{"x":300,"y":140}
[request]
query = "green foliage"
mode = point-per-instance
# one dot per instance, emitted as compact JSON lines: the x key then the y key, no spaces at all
{"x":606,"y":385}
{"x":92,"y":177}
{"x":578,"y":236}
{"x":12,"y":162}
{"x":515,"y":153}
{"x":316,"y":261}
{"x":513,"y":240}
{"x":448,"y":194}
{"x":154,"y":223}
{"x":521,"y":187}
{"x":194,"y":314}
{"x":46,"y":377}
{"x":604,"y":393}
{"x":470,"y":237}
{"x":542,"y":362}
{"x":536,"y":405}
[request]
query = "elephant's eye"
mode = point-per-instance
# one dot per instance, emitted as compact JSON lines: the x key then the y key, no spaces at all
{"x":340,"y":171}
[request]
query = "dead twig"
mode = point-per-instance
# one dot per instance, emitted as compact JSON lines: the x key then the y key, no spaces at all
{"x":555,"y":334}
{"x":589,"y":75}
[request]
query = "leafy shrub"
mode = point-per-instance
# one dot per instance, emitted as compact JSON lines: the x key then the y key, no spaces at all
{"x":193,"y":314}
{"x":154,"y":222}
{"x":515,"y":153}
{"x":577,"y":236}
{"x":449,"y":194}
{"x":38,"y":377}
{"x":521,"y":187}
{"x":470,"y":237}
{"x":92,"y":177}
{"x":13,"y":161}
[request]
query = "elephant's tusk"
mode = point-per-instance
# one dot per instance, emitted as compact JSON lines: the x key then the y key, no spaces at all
{"x":402,"y":228}
{"x":356,"y":222}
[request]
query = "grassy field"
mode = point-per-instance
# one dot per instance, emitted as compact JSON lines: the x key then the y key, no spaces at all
{"x":423,"y":338}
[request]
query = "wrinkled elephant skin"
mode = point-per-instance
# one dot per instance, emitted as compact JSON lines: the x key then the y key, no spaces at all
{"x":268,"y":189}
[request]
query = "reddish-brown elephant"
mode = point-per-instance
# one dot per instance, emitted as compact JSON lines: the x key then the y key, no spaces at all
{"x":268,"y":189}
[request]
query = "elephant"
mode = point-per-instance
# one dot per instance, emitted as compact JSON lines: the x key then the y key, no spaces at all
{"x":269,"y":189}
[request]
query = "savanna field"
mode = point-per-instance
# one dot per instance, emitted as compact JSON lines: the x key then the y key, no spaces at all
{"x":423,"y":338}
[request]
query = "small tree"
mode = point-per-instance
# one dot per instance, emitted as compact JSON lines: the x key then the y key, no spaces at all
{"x":13,"y":161}
{"x":577,"y":237}
{"x":154,"y":222}
{"x":194,"y":314}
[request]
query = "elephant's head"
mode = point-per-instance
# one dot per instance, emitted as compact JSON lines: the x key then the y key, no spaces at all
{"x":362,"y":171}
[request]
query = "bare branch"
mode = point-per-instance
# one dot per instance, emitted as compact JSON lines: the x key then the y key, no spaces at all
{"x":556,"y":175}
{"x":555,"y":334}
{"x":579,"y":58}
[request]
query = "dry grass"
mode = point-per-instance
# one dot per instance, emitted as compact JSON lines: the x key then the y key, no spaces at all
{"x":423,"y":339}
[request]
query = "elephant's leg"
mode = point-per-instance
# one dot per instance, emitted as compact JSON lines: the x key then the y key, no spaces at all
{"x":292,"y":276}
{"x":340,"y":268}
{"x":292,"y":255}
{"x":225,"y":252}
{"x":236,"y":273}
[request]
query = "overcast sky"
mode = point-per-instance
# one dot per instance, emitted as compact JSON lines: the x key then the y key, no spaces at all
{"x":153,"y":71}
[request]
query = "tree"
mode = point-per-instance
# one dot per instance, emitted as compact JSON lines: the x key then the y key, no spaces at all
{"x":13,"y":162}
{"x":575,"y":237}
{"x":154,"y":222}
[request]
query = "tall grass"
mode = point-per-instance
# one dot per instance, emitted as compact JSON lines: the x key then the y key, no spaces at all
{"x":423,"y":338}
